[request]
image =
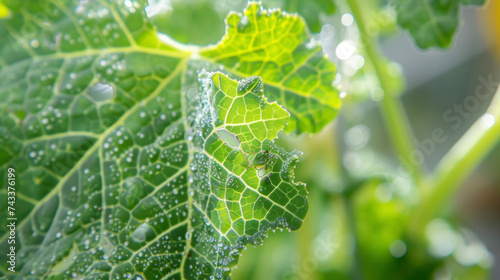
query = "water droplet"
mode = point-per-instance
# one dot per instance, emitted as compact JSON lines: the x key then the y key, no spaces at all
{"x":347,"y":19}
{"x":357,"y":61}
{"x":101,"y":92}
{"x":398,"y":249}
{"x":139,"y":234}
{"x":377,"y":94}
{"x":34,"y":43}
{"x":487,"y":120}
{"x":345,"y":49}
{"x":357,"y":137}
{"x":243,"y":22}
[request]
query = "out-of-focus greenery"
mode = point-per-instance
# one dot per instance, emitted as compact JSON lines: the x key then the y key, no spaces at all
{"x":357,"y":227}
{"x":431,"y":23}
{"x":360,"y":223}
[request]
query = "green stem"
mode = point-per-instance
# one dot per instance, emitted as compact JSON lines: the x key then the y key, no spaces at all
{"x":391,"y":107}
{"x":356,"y":266}
{"x":460,"y":162}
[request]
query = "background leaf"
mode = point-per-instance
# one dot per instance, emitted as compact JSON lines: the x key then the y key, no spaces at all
{"x":431,"y":23}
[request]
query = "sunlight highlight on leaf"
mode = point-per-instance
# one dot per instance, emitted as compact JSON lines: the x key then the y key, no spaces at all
{"x":276,"y":46}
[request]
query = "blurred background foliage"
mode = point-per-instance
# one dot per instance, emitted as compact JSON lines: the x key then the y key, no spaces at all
{"x":359,"y":225}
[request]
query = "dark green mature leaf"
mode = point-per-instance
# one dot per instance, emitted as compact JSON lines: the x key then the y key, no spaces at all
{"x":130,"y":165}
{"x":431,"y":23}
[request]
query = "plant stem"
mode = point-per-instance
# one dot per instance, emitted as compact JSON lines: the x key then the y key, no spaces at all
{"x":356,"y":267}
{"x":391,"y":107}
{"x":460,"y":162}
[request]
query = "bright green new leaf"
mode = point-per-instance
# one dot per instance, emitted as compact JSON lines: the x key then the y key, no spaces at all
{"x":202,"y":21}
{"x":277,"y":47}
{"x":431,"y":23}
{"x":311,"y":10}
{"x":132,"y":159}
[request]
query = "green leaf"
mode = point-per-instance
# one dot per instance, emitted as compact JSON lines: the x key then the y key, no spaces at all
{"x":431,"y":23}
{"x":131,"y":158}
{"x":199,"y":22}
{"x":277,"y":47}
{"x":311,"y":10}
